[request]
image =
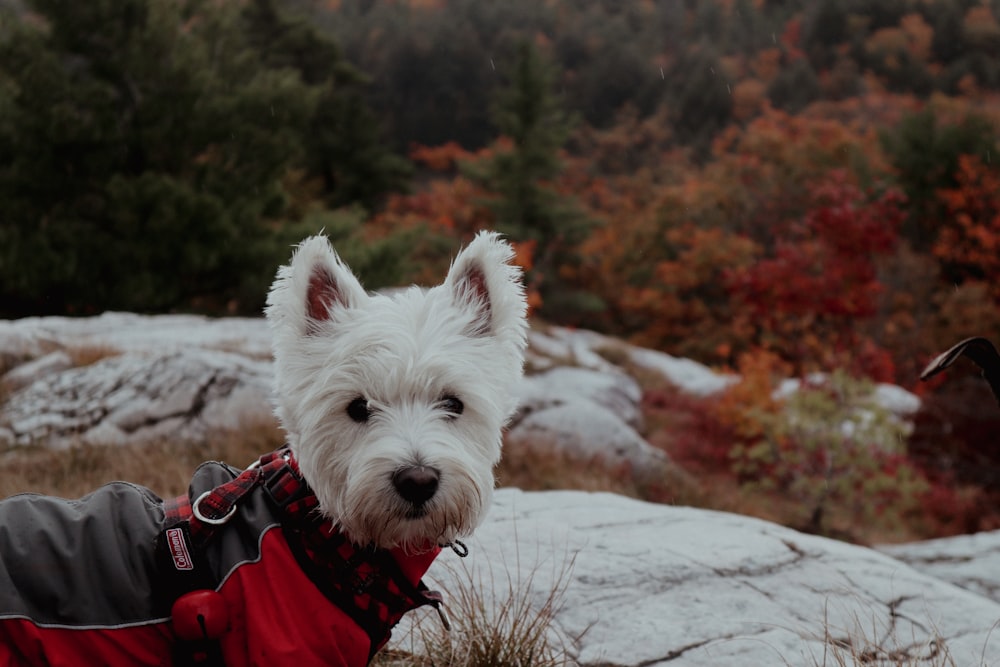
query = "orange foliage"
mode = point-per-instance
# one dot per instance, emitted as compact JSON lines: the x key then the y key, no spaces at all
{"x":680,"y":302}
{"x":969,"y":243}
{"x":887,"y":42}
{"x":454,"y":206}
{"x":762,"y":175}
{"x":748,"y":98}
{"x":865,"y":116}
{"x":524,"y":256}
{"x":766,"y":64}
{"x":981,"y":26}
{"x":631,"y":144}
{"x":444,"y":158}
{"x":693,"y":265}
{"x":919,"y":36}
{"x":743,"y":404}
{"x":791,"y":38}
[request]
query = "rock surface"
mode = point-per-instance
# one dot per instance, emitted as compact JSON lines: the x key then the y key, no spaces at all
{"x":127,"y":332}
{"x":584,"y":414}
{"x":135,"y":397}
{"x":969,"y":561}
{"x":653,"y":585}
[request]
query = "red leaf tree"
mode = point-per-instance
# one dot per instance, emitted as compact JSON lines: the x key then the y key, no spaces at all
{"x":808,"y":300}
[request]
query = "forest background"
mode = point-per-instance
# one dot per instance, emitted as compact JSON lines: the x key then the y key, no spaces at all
{"x":774,"y":187}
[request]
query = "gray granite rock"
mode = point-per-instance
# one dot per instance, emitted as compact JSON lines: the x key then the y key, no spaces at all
{"x":655,"y":585}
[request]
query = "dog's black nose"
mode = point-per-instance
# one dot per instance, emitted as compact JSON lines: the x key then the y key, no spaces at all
{"x":417,"y":484}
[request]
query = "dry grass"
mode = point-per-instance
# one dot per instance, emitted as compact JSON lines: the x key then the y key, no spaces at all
{"x":494,"y":623}
{"x":538,"y":468}
{"x":165,"y":467}
{"x":86,"y":355}
{"x":878,"y":642}
{"x":852,"y":653}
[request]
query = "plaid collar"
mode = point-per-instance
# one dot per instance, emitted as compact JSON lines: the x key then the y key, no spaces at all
{"x":369,"y":584}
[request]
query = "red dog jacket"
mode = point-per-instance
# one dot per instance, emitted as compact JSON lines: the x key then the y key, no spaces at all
{"x":92,"y":582}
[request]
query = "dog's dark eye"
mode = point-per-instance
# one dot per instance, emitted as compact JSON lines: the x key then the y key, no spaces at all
{"x":452,"y":405}
{"x":358,"y":410}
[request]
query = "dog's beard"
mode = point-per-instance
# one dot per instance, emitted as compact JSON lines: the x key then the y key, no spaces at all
{"x":388,"y":521}
{"x":371,"y":511}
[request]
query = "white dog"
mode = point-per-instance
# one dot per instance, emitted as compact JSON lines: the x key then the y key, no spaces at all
{"x":393,"y":406}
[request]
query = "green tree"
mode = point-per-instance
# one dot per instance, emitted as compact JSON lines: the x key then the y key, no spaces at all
{"x":949,"y":35}
{"x":699,"y":97}
{"x":342,"y":142}
{"x":795,"y":87}
{"x":826,"y":28}
{"x":146,"y":152}
{"x":526,"y":205}
{"x":146,"y":149}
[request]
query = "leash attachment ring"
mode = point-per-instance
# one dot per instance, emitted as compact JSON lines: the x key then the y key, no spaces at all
{"x":458,"y":546}
{"x":196,"y":510}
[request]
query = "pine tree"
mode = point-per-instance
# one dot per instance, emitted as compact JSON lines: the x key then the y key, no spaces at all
{"x":526,"y":205}
{"x":529,"y":115}
{"x":147,"y":149}
{"x":342,"y":142}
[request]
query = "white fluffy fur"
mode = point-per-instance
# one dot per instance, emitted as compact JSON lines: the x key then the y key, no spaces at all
{"x":402,"y":353}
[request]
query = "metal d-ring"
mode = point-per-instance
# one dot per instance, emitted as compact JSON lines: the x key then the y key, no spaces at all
{"x":196,"y":510}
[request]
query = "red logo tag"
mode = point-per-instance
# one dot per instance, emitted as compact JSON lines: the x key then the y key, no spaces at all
{"x":179,"y":550}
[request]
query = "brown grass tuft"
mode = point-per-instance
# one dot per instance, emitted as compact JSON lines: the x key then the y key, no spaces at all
{"x":536,"y":468}
{"x":86,"y":355}
{"x":495,"y":623}
{"x":878,"y":642}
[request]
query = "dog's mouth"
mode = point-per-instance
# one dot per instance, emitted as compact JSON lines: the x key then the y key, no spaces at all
{"x":416,"y":512}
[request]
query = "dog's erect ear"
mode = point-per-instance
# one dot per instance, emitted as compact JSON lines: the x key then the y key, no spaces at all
{"x":483,"y":280}
{"x":312,"y":286}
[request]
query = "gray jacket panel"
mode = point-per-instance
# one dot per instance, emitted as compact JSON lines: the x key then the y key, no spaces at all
{"x":80,"y":562}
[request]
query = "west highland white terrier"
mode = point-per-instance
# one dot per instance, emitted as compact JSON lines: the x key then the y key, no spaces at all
{"x":393,"y":407}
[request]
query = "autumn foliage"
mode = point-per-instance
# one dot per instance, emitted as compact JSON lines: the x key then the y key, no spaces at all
{"x":807,"y":298}
{"x":969,"y":242}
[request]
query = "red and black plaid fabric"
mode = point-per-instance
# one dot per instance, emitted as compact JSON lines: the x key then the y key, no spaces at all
{"x":218,"y":504}
{"x":366,"y":582}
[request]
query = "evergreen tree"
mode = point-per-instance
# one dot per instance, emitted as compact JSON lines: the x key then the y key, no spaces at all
{"x":526,"y":206}
{"x":826,"y":30}
{"x":795,"y":87}
{"x":699,"y":97}
{"x":948,"y":43}
{"x":342,"y":142}
{"x":146,"y":149}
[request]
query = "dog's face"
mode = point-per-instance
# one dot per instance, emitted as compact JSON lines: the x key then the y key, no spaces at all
{"x":394,"y":405}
